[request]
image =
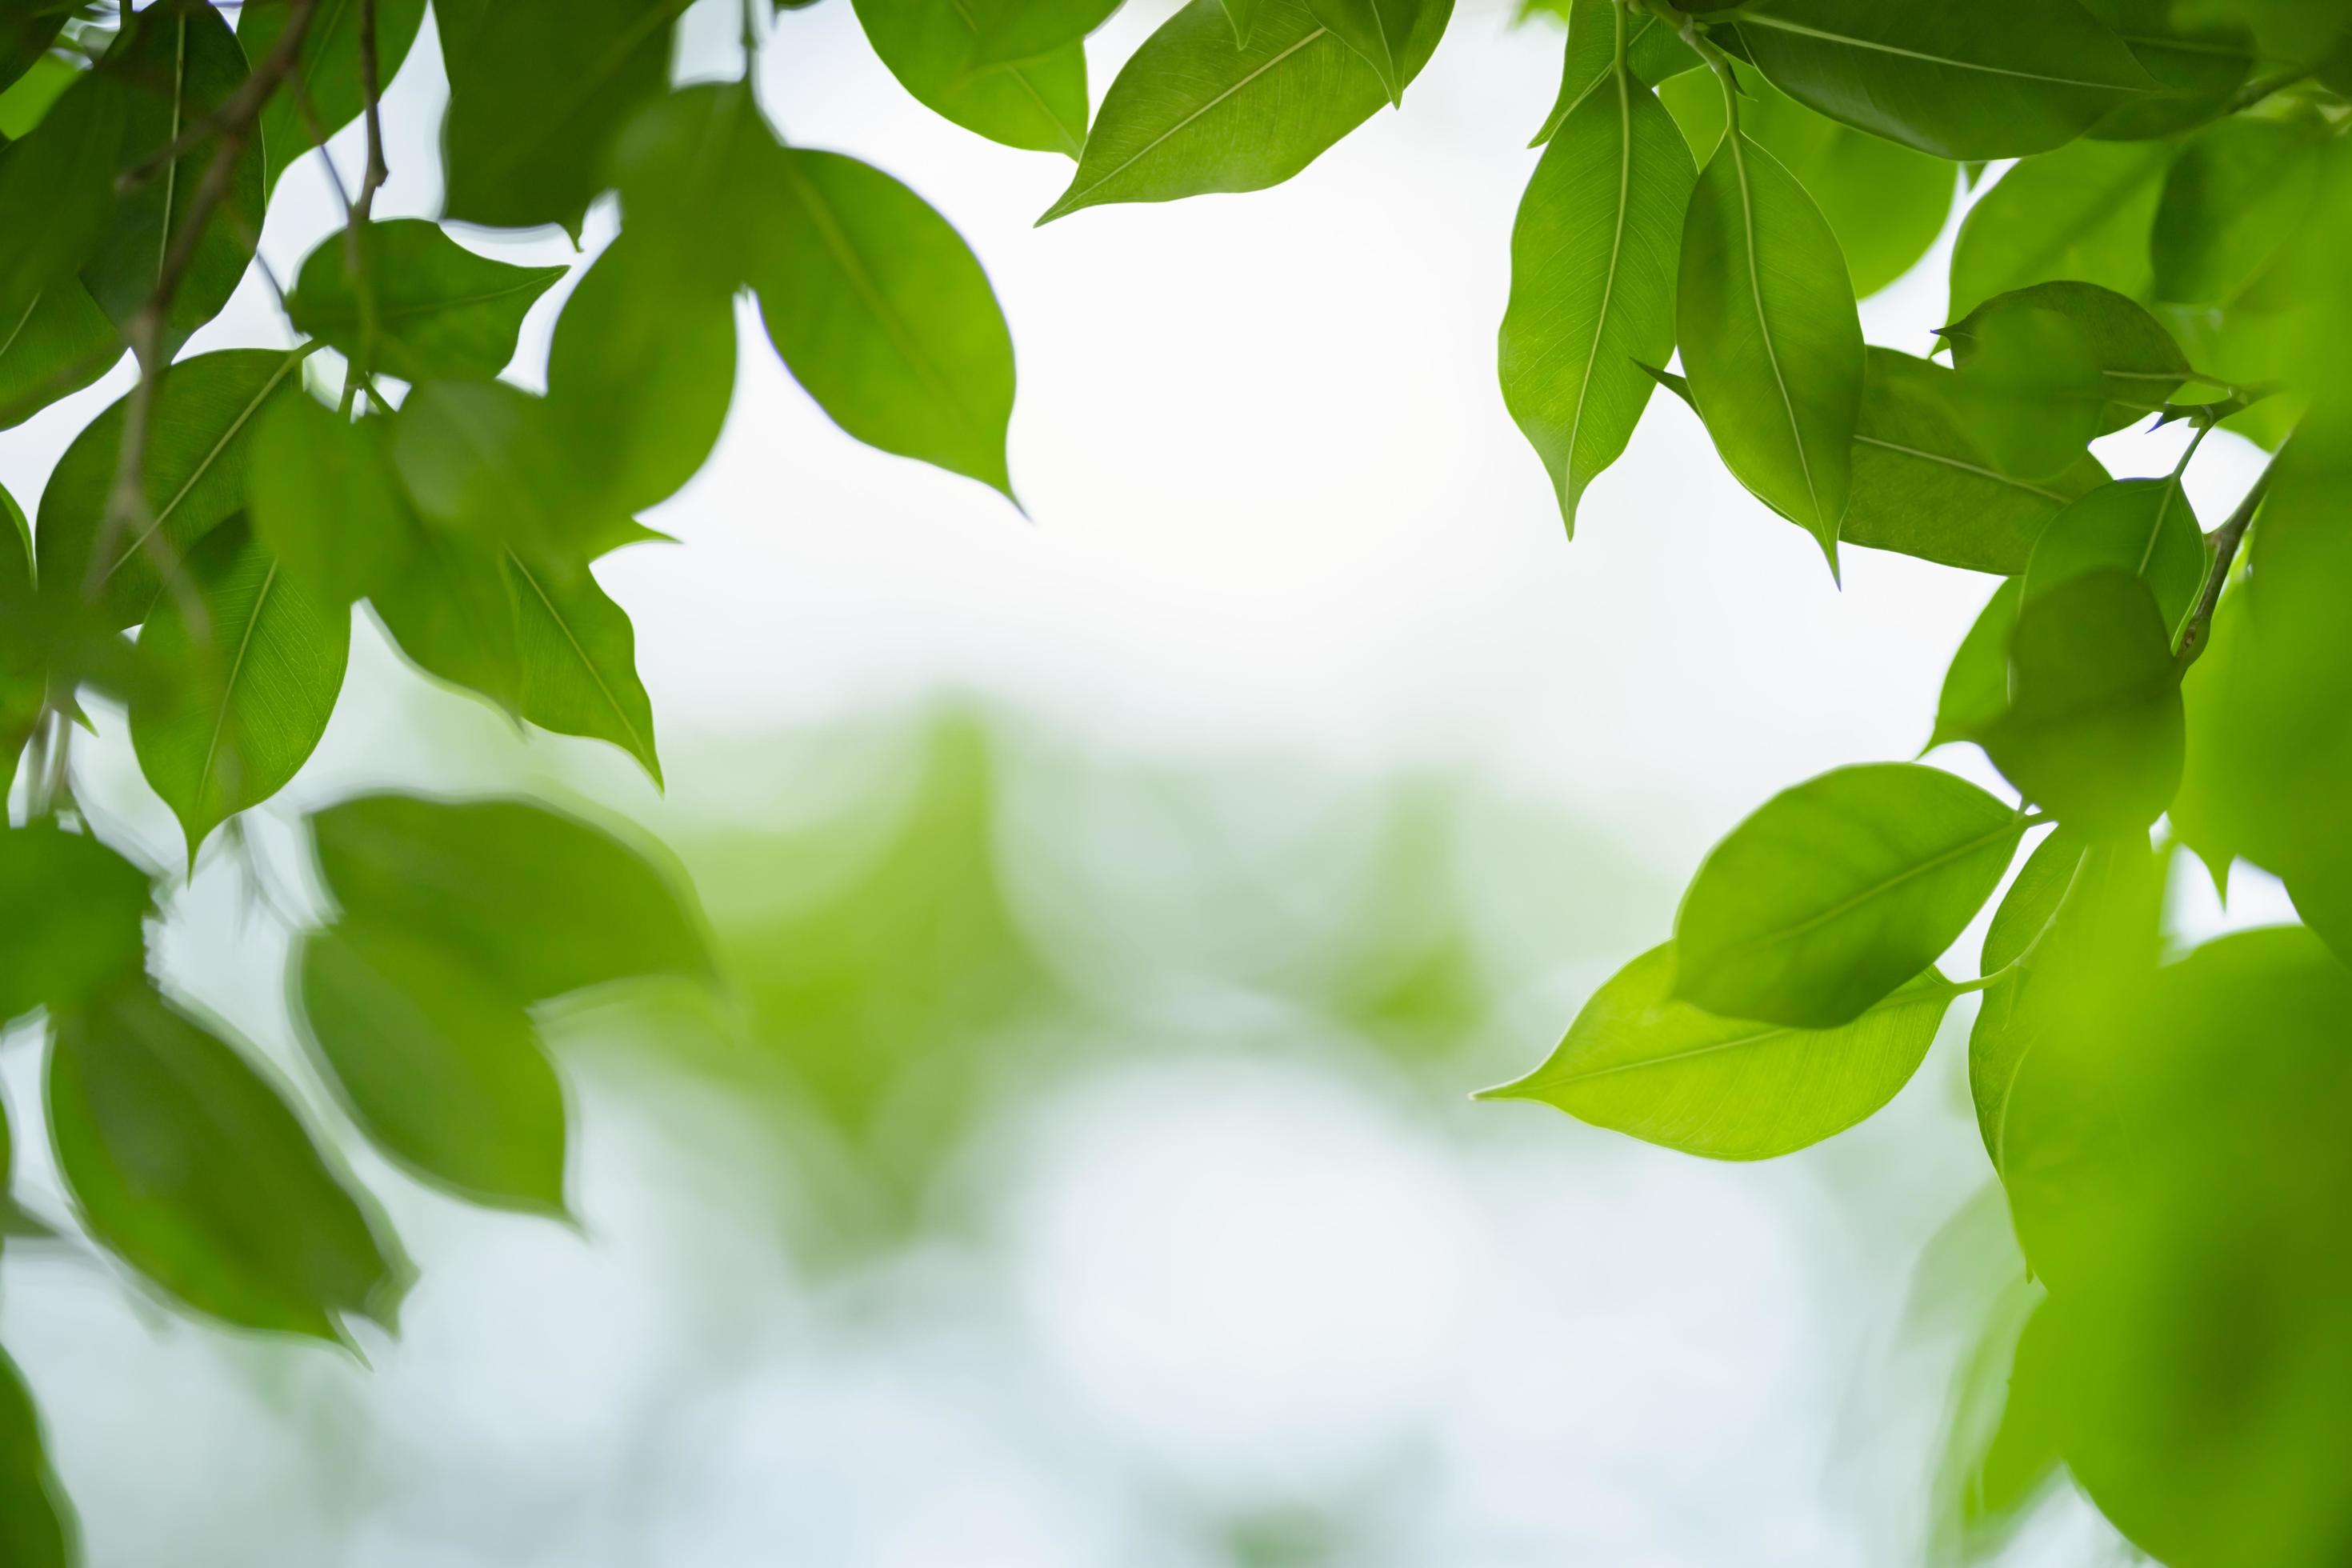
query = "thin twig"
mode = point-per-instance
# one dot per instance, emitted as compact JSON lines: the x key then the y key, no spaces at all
{"x":2225,"y":541}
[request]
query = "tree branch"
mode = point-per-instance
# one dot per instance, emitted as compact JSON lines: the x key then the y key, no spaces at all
{"x":2225,"y":541}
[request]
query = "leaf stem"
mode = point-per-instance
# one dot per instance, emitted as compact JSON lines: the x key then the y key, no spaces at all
{"x":2225,"y":541}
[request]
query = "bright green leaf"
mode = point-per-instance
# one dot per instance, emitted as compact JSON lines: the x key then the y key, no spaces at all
{"x":487,"y":462}
{"x":2235,"y":197}
{"x":1378,"y":31}
{"x":1242,"y":15}
{"x":577,"y":658}
{"x":932,"y":46}
{"x":2143,"y":526}
{"x":73,"y":909}
{"x":1975,"y":687}
{"x":440,"y":311}
{"x":2197,"y":68}
{"x":1654,"y":52}
{"x":326,"y":502}
{"x":1023,"y":29}
{"x":2082,"y":213}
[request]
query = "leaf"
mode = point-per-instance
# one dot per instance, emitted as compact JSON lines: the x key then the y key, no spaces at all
{"x":440,"y":1069}
{"x":2093,"y":732}
{"x":178,"y":63}
{"x":1023,"y":29}
{"x":326,"y":502}
{"x":24,"y":642}
{"x":2065,"y":872}
{"x":26,"y":31}
{"x":2143,"y":526}
{"x":1189,"y":114}
{"x":37,"y":1523}
{"x":487,"y":462}
{"x":933,"y":48}
{"x":1592,"y":265}
{"x":57,"y":344}
{"x":1975,"y":687}
{"x":1993,"y":79}
{"x":1638,"y":1062}
{"x":1837,"y":892}
{"x":1378,"y":31}
{"x":451,"y":612}
{"x":2196,"y":69}
{"x":694,"y":169}
{"x":2136,"y":363}
{"x":2083,"y":213}
{"x":199,"y":450}
{"x":230,"y":710}
{"x":190,"y":1166}
{"x":577,"y":658}
{"x":326,"y":82}
{"x":2235,"y":197}
{"x":640,"y":375}
{"x":1922,"y":484}
{"x":1771,"y":339}
{"x":57,"y":191}
{"x":537,"y":900}
{"x":15,"y":1223}
{"x":536,"y":88}
{"x":440,"y":311}
{"x":74,"y":911}
{"x":1653,"y":53}
{"x":1885,"y":203}
{"x":883,"y":315}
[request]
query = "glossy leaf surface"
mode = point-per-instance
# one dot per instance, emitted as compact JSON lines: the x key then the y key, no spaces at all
{"x":1654,"y":52}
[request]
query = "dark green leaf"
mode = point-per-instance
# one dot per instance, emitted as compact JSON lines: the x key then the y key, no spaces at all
{"x":577,"y":658}
{"x":2237,"y":194}
{"x":1378,"y":31}
{"x":883,"y":315}
{"x":27,"y":30}
{"x":1592,"y":267}
{"x":1639,"y":1062}
{"x":57,"y":191}
{"x":2144,"y":527}
{"x":56,"y":345}
{"x":1190,"y":114}
{"x":539,"y":901}
{"x":487,"y":461}
{"x":694,"y":169}
{"x":2196,"y":69}
{"x":326,"y":502}
{"x":450,"y":610}
{"x":37,"y":1523}
{"x":440,"y":311}
{"x":2082,"y":213}
{"x":231,"y":708}
{"x":1654,"y":52}
{"x":327,"y":81}
{"x":1770,"y":339}
{"x":933,"y":48}
{"x":15,"y":1222}
{"x":1975,"y":687}
{"x":73,"y":909}
{"x":189,"y":1165}
{"x":2136,"y":362}
{"x":1993,"y":79}
{"x":1837,"y":892}
{"x":443,"y":1070}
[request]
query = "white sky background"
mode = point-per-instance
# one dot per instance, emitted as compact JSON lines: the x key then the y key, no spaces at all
{"x":1279,"y":511}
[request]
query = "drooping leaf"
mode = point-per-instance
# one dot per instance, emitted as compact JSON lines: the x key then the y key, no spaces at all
{"x":933,"y":48}
{"x":326,"y":502}
{"x":1836,"y":892}
{"x":694,"y":169}
{"x":326,"y":80}
{"x":2235,"y":197}
{"x":2083,"y":213}
{"x":1593,"y":257}
{"x":884,"y":316}
{"x":73,"y":910}
{"x":1993,"y":79}
{"x":539,"y":901}
{"x":56,"y":345}
{"x":439,"y":309}
{"x":1771,"y":342}
{"x":199,"y":450}
{"x":1975,"y":687}
{"x":57,"y":191}
{"x":451,"y":612}
{"x":2145,"y":527}
{"x":189,"y":1165}
{"x":1924,"y":485}
{"x":577,"y":655}
{"x":1639,"y":1062}
{"x":1378,"y":31}
{"x":37,"y":1523}
{"x":537,"y":89}
{"x":1190,"y":114}
{"x":231,"y":708}
{"x":178,"y":64}
{"x":485,"y":460}
{"x":1654,"y":52}
{"x":441,"y":1069}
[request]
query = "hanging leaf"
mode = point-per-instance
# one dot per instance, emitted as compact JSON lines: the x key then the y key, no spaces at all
{"x":2031,"y":998}
{"x":37,"y":1523}
{"x":1592,"y":265}
{"x":487,"y":462}
{"x":74,"y":911}
{"x":2144,"y":527}
{"x":1835,"y":892}
{"x":933,"y":48}
{"x":440,"y":311}
{"x":2083,"y":213}
{"x":1378,"y":31}
{"x":451,"y":613}
{"x":694,"y":169}
{"x":326,"y":502}
{"x":326,"y":82}
{"x":2067,"y":361}
{"x":1653,"y":53}
{"x":577,"y":658}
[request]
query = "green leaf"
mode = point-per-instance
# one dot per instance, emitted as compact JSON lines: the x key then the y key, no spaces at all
{"x":27,"y":30}
{"x":2022,"y":1007}
{"x":1771,"y":339}
{"x":25,"y":100}
{"x":1190,"y":114}
{"x":326,"y":502}
{"x":2144,"y":527}
{"x":933,"y":48}
{"x":577,"y":658}
{"x":73,"y":909}
{"x":1592,"y":266}
{"x":24,"y":643}
{"x":539,"y":901}
{"x":2203,"y":811}
{"x":230,"y":709}
{"x":199,"y":450}
{"x":1993,"y":79}
{"x":2236,"y":196}
{"x":1378,"y":31}
{"x":1242,"y":15}
{"x":451,"y":612}
{"x":37,"y":1523}
{"x":1885,"y":203}
{"x":1975,"y":687}
{"x":1023,"y":30}
{"x":57,"y":191}
{"x":178,"y":63}
{"x":694,"y":169}
{"x":442,"y":1070}
{"x":327,"y":81}
{"x":2135,"y":363}
{"x":2082,"y":213}
{"x":1654,"y":52}
{"x":883,"y":315}
{"x":487,"y":462}
{"x":1838,"y":890}
{"x":2093,"y":732}
{"x":2197,"y":68}
{"x":536,"y":88}
{"x":640,"y":375}
{"x":1924,"y":485}
{"x":440,"y":311}
{"x":15,"y":1222}
{"x":189,"y":1165}
{"x":1639,"y":1062}
{"x":57,"y":344}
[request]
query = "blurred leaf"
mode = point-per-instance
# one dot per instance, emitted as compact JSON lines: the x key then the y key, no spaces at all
{"x":1975,"y":687}
{"x":441,"y":310}
{"x":73,"y":909}
{"x":24,"y":647}
{"x":1381,"y":32}
{"x":487,"y":461}
{"x":2144,"y":527}
{"x":1593,"y":256}
{"x":189,"y":1165}
{"x":539,"y":901}
{"x":883,"y":315}
{"x":694,"y":170}
{"x":2134,"y":359}
{"x":2236,"y":194}
{"x":326,"y":502}
{"x":1190,"y":114}
{"x":1653,"y":52}
{"x":2083,"y":213}
{"x":1838,"y":890}
{"x":933,"y":48}
{"x":327,"y":81}
{"x":61,"y":343}
{"x":14,"y":1223}
{"x":1994,"y":79}
{"x":1637,"y":1061}
{"x":57,"y":191}
{"x":232,"y":709}
{"x":441,"y":1069}
{"x":577,"y":656}
{"x":2197,"y":68}
{"x":1771,"y":339}
{"x":37,"y":1523}
{"x":27,"y":30}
